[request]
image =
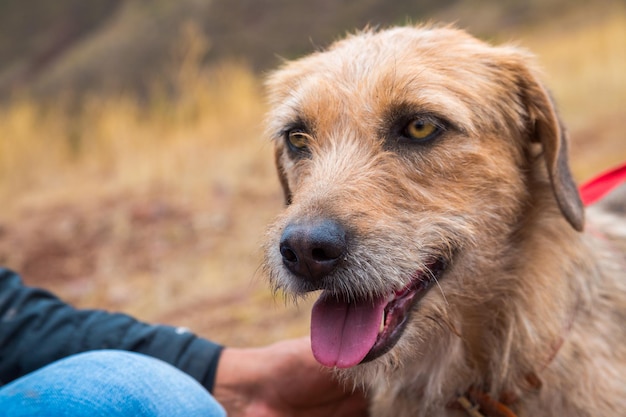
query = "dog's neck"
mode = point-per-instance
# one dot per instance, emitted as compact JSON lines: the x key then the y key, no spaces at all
{"x":479,"y":401}
{"x":506,"y":355}
{"x":511,"y":359}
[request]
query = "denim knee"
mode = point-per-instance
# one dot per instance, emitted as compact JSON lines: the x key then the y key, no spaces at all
{"x":108,"y":383}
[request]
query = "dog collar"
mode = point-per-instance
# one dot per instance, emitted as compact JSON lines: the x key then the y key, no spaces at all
{"x":476,"y":403}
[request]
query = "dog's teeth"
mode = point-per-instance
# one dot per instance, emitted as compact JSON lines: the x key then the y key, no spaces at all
{"x":382,"y":324}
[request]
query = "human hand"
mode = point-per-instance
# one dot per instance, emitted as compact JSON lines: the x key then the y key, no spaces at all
{"x":282,"y":380}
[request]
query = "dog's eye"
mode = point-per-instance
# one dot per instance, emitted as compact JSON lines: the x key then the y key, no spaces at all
{"x":421,"y":130}
{"x":298,"y":140}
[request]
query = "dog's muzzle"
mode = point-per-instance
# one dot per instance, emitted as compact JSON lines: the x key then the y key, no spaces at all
{"x":346,"y":331}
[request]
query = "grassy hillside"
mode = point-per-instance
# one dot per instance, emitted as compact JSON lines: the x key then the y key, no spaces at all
{"x":155,"y":204}
{"x":104,"y":46}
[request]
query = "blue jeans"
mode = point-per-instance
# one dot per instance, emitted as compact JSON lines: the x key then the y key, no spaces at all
{"x":107,"y":383}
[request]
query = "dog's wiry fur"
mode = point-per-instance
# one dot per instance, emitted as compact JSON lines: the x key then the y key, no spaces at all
{"x":527,"y":291}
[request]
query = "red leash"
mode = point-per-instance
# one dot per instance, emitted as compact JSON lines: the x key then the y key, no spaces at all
{"x":596,"y":188}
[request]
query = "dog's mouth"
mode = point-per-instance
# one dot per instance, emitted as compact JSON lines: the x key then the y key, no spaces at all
{"x":345,"y":334}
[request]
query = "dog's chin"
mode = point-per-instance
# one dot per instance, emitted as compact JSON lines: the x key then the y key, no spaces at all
{"x":345,"y":335}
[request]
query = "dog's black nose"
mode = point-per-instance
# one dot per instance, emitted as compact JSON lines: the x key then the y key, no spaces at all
{"x":313,"y":249}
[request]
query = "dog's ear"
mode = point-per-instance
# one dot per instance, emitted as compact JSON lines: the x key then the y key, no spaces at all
{"x":282,"y":176}
{"x":547,"y":129}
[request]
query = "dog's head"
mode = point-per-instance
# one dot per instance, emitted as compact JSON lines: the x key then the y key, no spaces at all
{"x":410,"y":158}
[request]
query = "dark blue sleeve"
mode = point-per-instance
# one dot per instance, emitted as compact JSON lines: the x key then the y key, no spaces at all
{"x":36,"y":328}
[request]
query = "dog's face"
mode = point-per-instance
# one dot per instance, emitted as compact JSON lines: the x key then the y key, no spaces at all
{"x":406,"y":157}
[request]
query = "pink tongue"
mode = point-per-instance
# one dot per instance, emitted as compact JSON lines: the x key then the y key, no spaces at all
{"x":343,"y":333}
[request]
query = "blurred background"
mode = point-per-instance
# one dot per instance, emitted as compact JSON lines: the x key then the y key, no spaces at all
{"x":134,"y":175}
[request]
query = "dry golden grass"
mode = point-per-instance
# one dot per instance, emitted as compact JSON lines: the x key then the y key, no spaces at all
{"x":158,"y":208}
{"x":584,"y":59}
{"x":167,"y":200}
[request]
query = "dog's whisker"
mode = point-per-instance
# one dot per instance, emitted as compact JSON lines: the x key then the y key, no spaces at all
{"x":434,"y":278}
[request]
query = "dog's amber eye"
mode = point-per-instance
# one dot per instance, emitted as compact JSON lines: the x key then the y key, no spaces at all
{"x":421,"y":129}
{"x":298,"y":139}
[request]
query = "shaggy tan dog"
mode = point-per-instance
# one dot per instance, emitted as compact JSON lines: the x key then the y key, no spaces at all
{"x":431,"y":202}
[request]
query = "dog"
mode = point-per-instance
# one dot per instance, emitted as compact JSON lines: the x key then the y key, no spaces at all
{"x":430,"y":203}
